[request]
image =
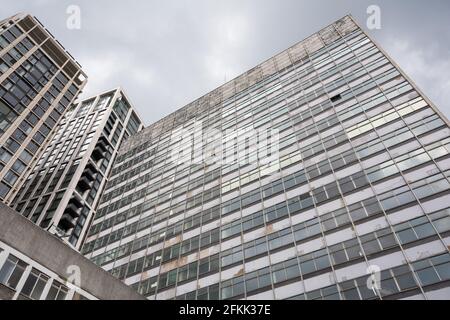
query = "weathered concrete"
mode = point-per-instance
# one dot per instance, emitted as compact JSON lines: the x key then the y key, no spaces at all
{"x":49,"y":251}
{"x":6,"y":293}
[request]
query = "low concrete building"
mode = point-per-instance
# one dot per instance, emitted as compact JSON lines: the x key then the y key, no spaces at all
{"x":35,"y":264}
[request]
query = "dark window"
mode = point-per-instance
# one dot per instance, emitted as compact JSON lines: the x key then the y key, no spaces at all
{"x":336,"y":98}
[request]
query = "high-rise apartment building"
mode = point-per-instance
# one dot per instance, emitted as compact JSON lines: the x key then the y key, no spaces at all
{"x":38,"y":81}
{"x":62,"y":192}
{"x":353,"y":202}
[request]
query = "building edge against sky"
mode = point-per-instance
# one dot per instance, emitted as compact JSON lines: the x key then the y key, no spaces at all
{"x":363,"y":185}
{"x":39,"y":83}
{"x":39,"y":80}
{"x":65,"y":185}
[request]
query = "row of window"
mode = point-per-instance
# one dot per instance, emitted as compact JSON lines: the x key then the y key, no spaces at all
{"x":321,"y":194}
{"x":340,"y":253}
{"x":243,"y":95}
{"x":56,"y":155}
{"x":20,"y":88}
{"x":159,"y":146}
{"x":146,"y":166}
{"x":392,"y":281}
{"x":422,"y":126}
{"x":12,"y":271}
{"x":308,"y":151}
{"x":389,"y":200}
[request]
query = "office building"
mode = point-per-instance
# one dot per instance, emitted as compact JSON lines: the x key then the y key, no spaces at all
{"x":353,"y":202}
{"x":39,"y":79}
{"x":62,"y":192}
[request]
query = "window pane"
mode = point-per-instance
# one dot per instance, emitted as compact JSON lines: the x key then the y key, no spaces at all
{"x":38,"y":288}
{"x":427,"y":276}
{"x":388,"y":287}
{"x":15,"y":277}
{"x":29,"y":284}
{"x":339,"y":257}
{"x":406,"y":281}
{"x":444,"y":271}
{"x":351,"y":294}
{"x":424,"y":230}
{"x":6,"y":271}
{"x":371,"y":247}
{"x":406,"y":236}
{"x":251,"y":284}
{"x":264,"y":280}
{"x":308,"y":267}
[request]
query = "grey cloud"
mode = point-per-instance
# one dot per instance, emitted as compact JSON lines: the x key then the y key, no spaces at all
{"x":168,"y":53}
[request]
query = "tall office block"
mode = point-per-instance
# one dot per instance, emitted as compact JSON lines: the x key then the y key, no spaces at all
{"x":63,"y":190}
{"x":38,"y":81}
{"x":354,"y":203}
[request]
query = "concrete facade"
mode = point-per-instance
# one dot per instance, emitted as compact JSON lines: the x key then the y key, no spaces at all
{"x":47,"y":254}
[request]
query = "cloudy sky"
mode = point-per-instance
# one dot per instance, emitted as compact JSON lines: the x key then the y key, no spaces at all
{"x":166,"y":53}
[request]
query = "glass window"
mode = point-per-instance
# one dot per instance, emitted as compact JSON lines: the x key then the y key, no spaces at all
{"x":12,"y":271}
{"x":5,"y":156}
{"x":428,"y":276}
{"x":444,"y":271}
{"x":404,"y":278}
{"x":57,"y":291}
{"x":35,"y":284}
{"x":10,"y":177}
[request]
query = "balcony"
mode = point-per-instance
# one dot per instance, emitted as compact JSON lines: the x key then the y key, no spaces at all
{"x":90,"y":173}
{"x":76,"y":200}
{"x":72,"y":210}
{"x":66,"y":222}
{"x":102,"y":143}
{"x":85,"y":183}
{"x":100,"y":148}
{"x":98,"y":153}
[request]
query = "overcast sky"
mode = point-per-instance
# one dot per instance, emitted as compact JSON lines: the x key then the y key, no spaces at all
{"x":167,"y":53}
